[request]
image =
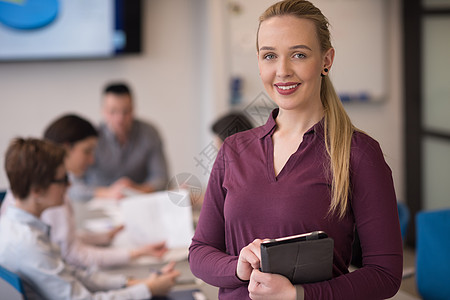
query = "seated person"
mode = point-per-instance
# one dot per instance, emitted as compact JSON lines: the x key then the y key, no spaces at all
{"x":230,"y":124}
{"x":130,"y":151}
{"x":223,"y":127}
{"x":78,"y":137}
{"x":38,"y":181}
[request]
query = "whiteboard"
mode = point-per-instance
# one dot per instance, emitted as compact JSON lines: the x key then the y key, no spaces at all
{"x":359,"y":36}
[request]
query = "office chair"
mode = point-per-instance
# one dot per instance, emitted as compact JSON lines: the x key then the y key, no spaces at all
{"x":2,"y":196}
{"x":403,"y":217}
{"x":433,"y":254}
{"x":11,"y":287}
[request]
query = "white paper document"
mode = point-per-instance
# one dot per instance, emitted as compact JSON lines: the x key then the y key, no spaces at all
{"x":155,"y":217}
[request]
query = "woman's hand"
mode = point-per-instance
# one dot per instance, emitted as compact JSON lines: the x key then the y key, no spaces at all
{"x":270,"y":286}
{"x":156,"y":250}
{"x":159,"y":284}
{"x":113,"y":232}
{"x":99,"y":239}
{"x":113,"y":191}
{"x":249,"y":259}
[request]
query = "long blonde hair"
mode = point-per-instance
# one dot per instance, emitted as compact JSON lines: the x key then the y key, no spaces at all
{"x":337,"y":126}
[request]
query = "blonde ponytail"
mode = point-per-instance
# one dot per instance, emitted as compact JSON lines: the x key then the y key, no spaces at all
{"x":338,"y":132}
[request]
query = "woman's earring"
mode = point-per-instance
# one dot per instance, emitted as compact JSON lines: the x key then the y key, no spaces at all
{"x":326,"y":71}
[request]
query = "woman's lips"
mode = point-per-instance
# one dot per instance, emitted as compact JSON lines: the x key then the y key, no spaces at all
{"x":286,"y":88}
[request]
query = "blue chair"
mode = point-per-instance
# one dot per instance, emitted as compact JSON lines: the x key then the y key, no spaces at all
{"x":2,"y":195}
{"x":403,"y":217}
{"x":11,"y":287}
{"x":433,"y":254}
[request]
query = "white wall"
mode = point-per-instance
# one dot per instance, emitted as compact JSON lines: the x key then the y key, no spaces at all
{"x":180,"y":83}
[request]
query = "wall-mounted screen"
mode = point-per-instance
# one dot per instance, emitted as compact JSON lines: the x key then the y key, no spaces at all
{"x":67,"y":29}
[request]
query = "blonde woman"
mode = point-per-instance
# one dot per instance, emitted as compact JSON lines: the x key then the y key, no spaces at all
{"x":308,"y":168}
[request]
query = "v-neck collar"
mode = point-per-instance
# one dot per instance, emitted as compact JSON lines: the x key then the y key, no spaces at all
{"x":267,"y":132}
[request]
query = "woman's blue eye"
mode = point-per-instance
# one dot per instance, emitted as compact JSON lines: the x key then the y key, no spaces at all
{"x":269,"y":56}
{"x":299,"y":55}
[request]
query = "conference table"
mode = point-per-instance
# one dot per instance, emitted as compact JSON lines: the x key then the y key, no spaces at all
{"x":185,"y":282}
{"x":86,"y":213}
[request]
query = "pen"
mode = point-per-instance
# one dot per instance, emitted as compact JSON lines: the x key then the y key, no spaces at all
{"x":157,"y":271}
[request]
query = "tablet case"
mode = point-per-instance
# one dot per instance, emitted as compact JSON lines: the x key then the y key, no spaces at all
{"x":302,"y":259}
{"x":188,"y":294}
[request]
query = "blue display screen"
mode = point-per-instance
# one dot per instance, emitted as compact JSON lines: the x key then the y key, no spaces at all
{"x":66,"y":29}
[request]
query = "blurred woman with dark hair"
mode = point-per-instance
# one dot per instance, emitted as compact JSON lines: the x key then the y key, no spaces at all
{"x":79,"y":138}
